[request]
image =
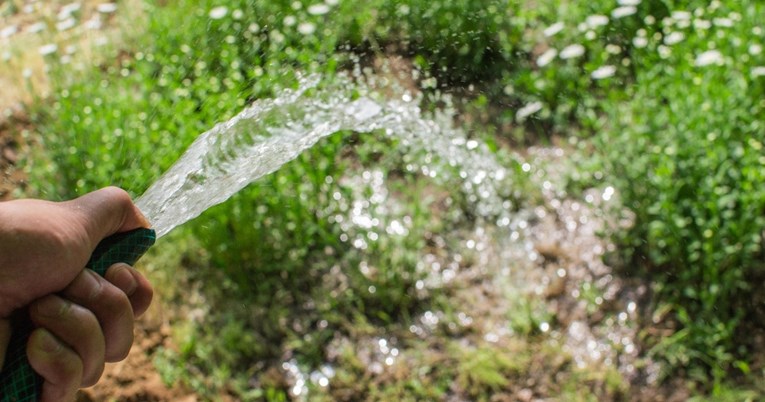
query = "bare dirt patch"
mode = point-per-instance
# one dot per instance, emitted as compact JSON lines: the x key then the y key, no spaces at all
{"x":136,"y":378}
{"x":12,"y":177}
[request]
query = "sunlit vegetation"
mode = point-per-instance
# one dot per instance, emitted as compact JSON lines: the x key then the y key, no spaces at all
{"x":659,"y":105}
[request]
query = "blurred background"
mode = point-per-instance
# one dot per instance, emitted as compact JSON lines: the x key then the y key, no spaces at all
{"x":577,"y":213}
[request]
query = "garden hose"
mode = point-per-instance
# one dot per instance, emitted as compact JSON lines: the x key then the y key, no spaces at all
{"x":18,"y":382}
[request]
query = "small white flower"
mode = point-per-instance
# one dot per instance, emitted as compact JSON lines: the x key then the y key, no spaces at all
{"x":682,"y":24}
{"x":106,"y":8}
{"x":66,"y":24}
{"x":553,"y":29}
{"x":8,"y":31}
{"x":93,"y":24}
{"x":628,"y":2}
{"x":546,"y":57}
{"x":67,"y":11}
{"x":701,"y":24}
{"x":603,"y":72}
{"x":674,"y":38}
{"x":723,"y":22}
{"x":594,"y":21}
{"x":290,"y":20}
{"x":318,"y":9}
{"x":48,"y":49}
{"x":218,"y":12}
{"x":306,"y":28}
{"x":664,"y":51}
{"x":623,"y":11}
{"x":237,"y":14}
{"x":755,"y":49}
{"x":758,"y":71}
{"x":708,"y":57}
{"x":572,"y":51}
{"x":36,"y":27}
{"x":613,"y":49}
{"x":640,"y":42}
{"x":528,"y":110}
{"x":681,"y":15}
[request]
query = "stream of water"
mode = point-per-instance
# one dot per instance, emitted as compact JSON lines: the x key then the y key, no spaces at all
{"x":272,"y":132}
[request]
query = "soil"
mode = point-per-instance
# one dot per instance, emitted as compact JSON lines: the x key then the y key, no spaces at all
{"x":11,"y":145}
{"x":136,"y":378}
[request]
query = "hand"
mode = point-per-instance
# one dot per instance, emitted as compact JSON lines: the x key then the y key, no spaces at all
{"x":44,"y":245}
{"x":87,"y":324}
{"x":43,"y":249}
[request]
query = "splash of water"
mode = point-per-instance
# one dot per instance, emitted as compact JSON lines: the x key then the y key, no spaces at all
{"x":272,"y":132}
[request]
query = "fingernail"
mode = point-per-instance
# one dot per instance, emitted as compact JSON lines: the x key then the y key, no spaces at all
{"x":47,"y":343}
{"x":124,"y":279}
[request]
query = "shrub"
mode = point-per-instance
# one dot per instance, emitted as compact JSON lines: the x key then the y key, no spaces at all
{"x":687,"y":155}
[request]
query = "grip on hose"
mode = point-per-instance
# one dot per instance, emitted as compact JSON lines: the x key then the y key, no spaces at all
{"x":18,"y":382}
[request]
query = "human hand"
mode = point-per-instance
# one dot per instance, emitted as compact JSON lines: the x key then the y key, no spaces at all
{"x":43,"y":247}
{"x":87,"y":324}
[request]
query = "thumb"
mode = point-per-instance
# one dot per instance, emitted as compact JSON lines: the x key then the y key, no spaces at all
{"x":106,"y":212}
{"x":5,"y":338}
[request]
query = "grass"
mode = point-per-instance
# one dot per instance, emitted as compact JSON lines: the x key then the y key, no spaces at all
{"x":662,"y":104}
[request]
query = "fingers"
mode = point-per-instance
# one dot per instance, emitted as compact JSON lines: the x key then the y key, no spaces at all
{"x":77,"y":327}
{"x":106,"y":212}
{"x":111,"y":307}
{"x":137,"y":288}
{"x":59,"y":365}
{"x":90,"y":322}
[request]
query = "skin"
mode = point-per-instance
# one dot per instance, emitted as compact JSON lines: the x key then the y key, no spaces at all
{"x":82,"y":319}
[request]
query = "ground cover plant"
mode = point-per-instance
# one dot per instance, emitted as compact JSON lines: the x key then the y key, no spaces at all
{"x":657,"y":101}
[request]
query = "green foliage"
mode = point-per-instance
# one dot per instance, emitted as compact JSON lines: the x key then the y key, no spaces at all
{"x":483,"y":370}
{"x":686,"y":152}
{"x":683,"y":143}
